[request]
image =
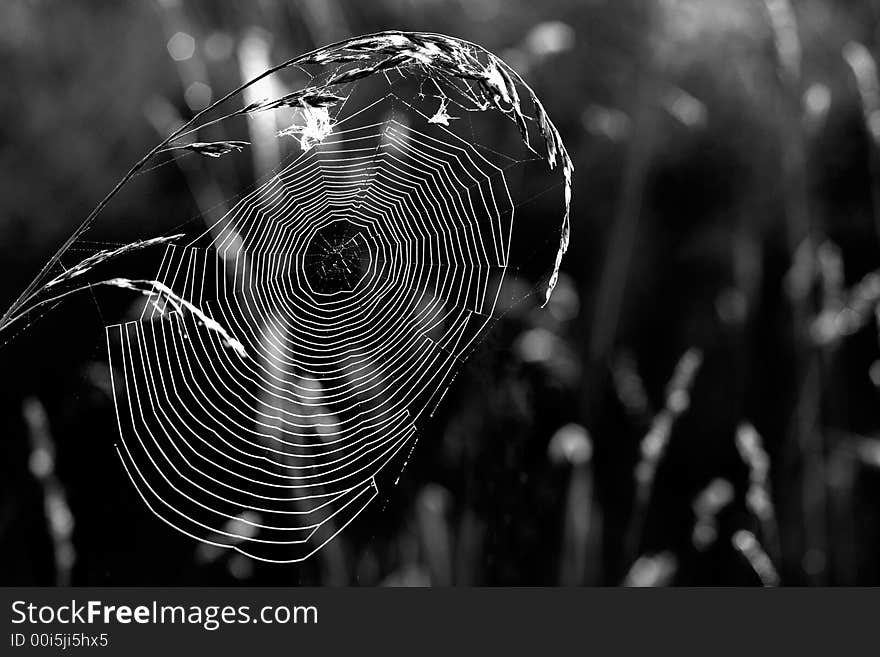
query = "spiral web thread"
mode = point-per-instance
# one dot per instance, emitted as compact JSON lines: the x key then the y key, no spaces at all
{"x":355,"y":280}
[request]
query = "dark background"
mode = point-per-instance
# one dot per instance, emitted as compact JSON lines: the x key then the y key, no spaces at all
{"x":726,"y":212}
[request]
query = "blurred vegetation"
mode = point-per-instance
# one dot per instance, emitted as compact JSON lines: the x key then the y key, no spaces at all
{"x":697,"y":405}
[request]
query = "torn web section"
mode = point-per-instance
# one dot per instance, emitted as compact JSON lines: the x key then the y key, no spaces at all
{"x":253,"y":481}
{"x":270,"y":402}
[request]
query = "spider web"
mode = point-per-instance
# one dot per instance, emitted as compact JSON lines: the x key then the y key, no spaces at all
{"x":292,"y":351}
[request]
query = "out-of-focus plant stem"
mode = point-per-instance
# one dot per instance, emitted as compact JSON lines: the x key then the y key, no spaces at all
{"x":432,"y":509}
{"x":751,"y":549}
{"x":864,"y":69}
{"x":571,"y":447}
{"x":656,"y":441}
{"x":843,"y":468}
{"x":272,"y":408}
{"x":806,"y":427}
{"x":469,"y":548}
{"x":59,"y":519}
{"x":652,"y":570}
{"x":707,"y":506}
{"x":615,"y":271}
{"x":758,"y":498}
